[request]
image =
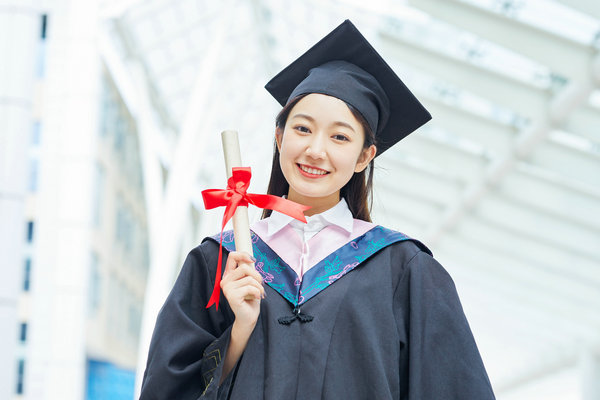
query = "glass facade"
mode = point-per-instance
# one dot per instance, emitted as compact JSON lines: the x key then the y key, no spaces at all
{"x":40,"y":66}
{"x":23,"y":332}
{"x":30,"y":227}
{"x":27,"y":274}
{"x":20,"y":376}
{"x":108,"y":381}
{"x":95,"y":285}
{"x":33,"y":175}
{"x":98,"y":198}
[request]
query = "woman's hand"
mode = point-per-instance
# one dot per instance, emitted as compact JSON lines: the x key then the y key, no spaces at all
{"x":242,"y":286}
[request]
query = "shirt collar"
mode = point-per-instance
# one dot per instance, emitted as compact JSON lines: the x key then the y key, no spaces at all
{"x":338,"y":215}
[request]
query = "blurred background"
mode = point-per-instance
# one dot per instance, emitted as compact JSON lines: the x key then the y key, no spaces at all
{"x":110,"y":114}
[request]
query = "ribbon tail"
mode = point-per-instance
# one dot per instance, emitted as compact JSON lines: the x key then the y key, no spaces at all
{"x":216,"y":293}
{"x":284,"y":206}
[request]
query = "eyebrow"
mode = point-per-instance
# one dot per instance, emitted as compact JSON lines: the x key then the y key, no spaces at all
{"x":336,"y":123}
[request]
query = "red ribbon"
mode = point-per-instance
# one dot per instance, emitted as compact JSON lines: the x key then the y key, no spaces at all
{"x":234,"y":196}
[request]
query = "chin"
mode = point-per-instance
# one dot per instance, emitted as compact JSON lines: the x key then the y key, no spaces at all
{"x":316,"y":195}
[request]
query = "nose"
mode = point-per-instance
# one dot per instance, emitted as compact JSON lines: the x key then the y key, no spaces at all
{"x":316,"y":147}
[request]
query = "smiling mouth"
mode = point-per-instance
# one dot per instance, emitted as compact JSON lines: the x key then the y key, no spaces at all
{"x":311,"y":171}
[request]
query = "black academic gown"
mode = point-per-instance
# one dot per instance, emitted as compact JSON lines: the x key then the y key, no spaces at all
{"x":390,"y":326}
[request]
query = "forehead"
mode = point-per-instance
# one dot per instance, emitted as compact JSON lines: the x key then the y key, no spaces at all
{"x":325,"y":109}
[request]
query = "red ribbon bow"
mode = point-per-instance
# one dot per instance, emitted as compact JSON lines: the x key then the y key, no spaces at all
{"x":234,"y":196}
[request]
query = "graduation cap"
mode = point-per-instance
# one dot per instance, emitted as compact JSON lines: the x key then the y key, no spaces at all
{"x":344,"y":65}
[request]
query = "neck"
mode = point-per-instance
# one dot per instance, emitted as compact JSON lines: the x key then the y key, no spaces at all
{"x":317,"y":204}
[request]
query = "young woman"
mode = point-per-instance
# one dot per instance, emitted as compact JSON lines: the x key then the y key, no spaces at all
{"x":337,"y":308}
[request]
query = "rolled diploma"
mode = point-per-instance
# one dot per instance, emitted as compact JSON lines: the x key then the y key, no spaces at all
{"x":241,"y":225}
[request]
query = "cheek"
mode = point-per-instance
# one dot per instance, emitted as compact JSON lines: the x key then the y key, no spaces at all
{"x":289,"y":149}
{"x":347,"y":160}
{"x":286,"y":158}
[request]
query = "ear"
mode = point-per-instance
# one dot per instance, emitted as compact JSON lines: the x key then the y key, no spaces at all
{"x":365,"y":158}
{"x":278,"y":137}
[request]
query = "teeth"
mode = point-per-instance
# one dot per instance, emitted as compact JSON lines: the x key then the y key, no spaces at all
{"x":313,"y":171}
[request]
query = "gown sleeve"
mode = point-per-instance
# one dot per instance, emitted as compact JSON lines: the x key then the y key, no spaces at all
{"x":189,"y":342}
{"x":441,"y":359}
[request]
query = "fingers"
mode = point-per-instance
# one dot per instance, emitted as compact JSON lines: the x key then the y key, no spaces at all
{"x":245,"y":288}
{"x":247,"y":292}
{"x":233,"y":284}
{"x":242,"y":271}
{"x":248,"y":281}
{"x":251,"y":293}
{"x":241,"y":279}
{"x":240,"y":264}
{"x":236,"y":258}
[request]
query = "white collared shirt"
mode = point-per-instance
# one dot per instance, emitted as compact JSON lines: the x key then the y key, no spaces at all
{"x":338,"y":215}
{"x":302,"y":253}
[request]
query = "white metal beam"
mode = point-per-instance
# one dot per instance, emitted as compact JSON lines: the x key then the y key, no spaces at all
{"x":135,"y":96}
{"x":140,"y":9}
{"x":522,"y":274}
{"x":182,"y":177}
{"x":407,"y":208}
{"x":532,"y":222}
{"x":494,"y":136}
{"x":115,"y":8}
{"x":573,"y":62}
{"x":414,"y":178}
{"x":558,"y":179}
{"x":203,"y":22}
{"x":574,"y":94}
{"x":123,"y":36}
{"x":500,"y":89}
{"x":263,"y":36}
{"x":567,"y":203}
{"x":507,"y":279}
{"x":544,"y":255}
{"x":535,"y":373}
{"x":483,"y":297}
{"x":589,"y":360}
{"x":583,"y":167}
{"x":584,"y":121}
{"x":503,"y":313}
{"x":455,"y":163}
{"x":589,"y":7}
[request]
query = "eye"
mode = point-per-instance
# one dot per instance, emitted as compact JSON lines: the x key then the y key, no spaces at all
{"x":302,"y":128}
{"x":341,"y":137}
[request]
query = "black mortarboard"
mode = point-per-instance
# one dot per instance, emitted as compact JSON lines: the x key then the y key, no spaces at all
{"x":344,"y":64}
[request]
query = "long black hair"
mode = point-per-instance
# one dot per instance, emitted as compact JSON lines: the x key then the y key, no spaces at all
{"x":358,"y":192}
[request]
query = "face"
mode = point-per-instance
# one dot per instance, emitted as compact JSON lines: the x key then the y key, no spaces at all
{"x":320,"y":148}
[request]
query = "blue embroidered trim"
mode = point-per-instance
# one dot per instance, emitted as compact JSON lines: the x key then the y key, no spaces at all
{"x":281,"y":277}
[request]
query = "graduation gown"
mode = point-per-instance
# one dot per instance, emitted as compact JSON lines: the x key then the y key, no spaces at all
{"x":386,"y":323}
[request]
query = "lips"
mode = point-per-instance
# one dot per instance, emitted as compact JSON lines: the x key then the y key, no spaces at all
{"x":311,"y":172}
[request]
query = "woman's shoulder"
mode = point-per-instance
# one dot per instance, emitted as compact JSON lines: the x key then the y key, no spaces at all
{"x":413,"y":256}
{"x":205,"y":253}
{"x":399,"y":240}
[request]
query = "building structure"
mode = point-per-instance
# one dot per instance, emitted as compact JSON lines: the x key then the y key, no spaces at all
{"x":78,"y":248}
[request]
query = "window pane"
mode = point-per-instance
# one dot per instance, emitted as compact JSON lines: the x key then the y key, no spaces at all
{"x":23,"y":334}
{"x":20,"y":376}
{"x":26,"y":274}
{"x":29,"y":231}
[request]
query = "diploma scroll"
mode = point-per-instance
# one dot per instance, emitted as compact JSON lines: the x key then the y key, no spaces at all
{"x":241,"y":225}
